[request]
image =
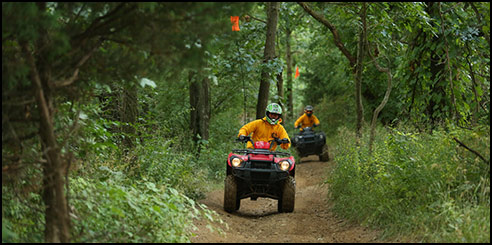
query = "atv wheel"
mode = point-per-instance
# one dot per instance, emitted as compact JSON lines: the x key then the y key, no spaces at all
{"x":324,"y":156}
{"x":238,"y":203}
{"x":288,"y":198}
{"x":230,"y":194}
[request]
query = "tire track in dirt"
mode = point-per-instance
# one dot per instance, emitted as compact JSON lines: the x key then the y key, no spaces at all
{"x":259,"y":221}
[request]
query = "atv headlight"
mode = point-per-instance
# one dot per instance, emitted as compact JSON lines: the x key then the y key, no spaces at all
{"x":284,"y":165}
{"x":236,"y":162}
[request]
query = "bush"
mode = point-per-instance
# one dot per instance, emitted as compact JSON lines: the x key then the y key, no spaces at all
{"x":22,"y":217}
{"x":214,"y":152}
{"x":109,"y":210}
{"x":419,"y":184}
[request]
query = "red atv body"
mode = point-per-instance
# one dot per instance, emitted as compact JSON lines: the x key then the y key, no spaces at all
{"x":260,"y":172}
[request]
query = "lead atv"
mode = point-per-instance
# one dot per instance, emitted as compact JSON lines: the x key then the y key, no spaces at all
{"x":308,"y":142}
{"x":260,"y":172}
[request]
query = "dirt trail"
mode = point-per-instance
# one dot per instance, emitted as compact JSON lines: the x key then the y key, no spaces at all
{"x":311,"y":221}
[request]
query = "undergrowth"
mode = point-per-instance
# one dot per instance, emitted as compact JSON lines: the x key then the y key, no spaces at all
{"x":419,"y":185}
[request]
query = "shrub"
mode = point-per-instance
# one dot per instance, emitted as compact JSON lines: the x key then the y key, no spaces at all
{"x":109,"y":210}
{"x":420,"y":184}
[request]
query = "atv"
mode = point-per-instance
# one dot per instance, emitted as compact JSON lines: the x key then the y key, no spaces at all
{"x":308,"y":142}
{"x":260,"y":172}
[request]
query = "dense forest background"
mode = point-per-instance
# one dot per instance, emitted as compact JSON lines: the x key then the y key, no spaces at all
{"x":118,"y":117}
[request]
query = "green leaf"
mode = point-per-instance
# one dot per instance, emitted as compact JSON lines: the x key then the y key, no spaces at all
{"x":145,"y":81}
{"x":83,"y":116}
{"x":117,"y":211}
{"x":156,"y":208}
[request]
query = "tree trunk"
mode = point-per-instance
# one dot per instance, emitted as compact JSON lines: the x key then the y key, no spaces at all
{"x":194,"y":106}
{"x":204,"y":113}
{"x":269,"y":54}
{"x":200,"y":107}
{"x":128,"y":115}
{"x":280,"y":88}
{"x":290,"y":102}
{"x":474,"y":85}
{"x":57,"y":227}
{"x":358,"y":75}
{"x":437,"y":103}
{"x":454,"y":110}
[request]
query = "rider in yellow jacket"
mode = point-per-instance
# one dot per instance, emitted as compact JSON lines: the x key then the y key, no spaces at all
{"x":308,"y":119}
{"x":266,"y":128}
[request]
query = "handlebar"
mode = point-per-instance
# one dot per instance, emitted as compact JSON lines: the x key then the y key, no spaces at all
{"x":245,"y":139}
{"x":281,"y":141}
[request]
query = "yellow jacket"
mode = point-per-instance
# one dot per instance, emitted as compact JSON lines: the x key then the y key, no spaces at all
{"x":262,"y":131}
{"x":306,"y":121}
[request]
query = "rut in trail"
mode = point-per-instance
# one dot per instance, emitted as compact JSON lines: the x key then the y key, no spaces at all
{"x":311,"y":221}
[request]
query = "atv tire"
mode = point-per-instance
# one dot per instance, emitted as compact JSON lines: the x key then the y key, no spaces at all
{"x":231,"y":203}
{"x":288,"y":198}
{"x":324,"y":156}
{"x":238,"y":203}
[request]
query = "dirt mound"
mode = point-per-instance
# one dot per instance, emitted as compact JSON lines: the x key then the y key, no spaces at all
{"x":311,"y":221}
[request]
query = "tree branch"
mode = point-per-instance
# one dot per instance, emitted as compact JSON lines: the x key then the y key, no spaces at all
{"x":36,"y":81}
{"x":96,"y":24}
{"x":254,"y":18}
{"x":26,"y":101}
{"x":70,"y":80}
{"x":479,"y":16}
{"x":333,"y":30}
{"x":72,"y":129}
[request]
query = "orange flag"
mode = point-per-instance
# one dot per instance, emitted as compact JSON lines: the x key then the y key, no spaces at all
{"x":235,"y":23}
{"x":297,"y":72}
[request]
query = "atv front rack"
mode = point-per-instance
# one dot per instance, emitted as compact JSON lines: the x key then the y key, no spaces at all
{"x":261,"y":151}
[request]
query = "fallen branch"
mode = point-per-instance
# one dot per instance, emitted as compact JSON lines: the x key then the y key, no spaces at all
{"x":471,"y":150}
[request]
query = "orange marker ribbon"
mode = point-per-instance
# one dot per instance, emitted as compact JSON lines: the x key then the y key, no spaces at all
{"x":235,"y":23}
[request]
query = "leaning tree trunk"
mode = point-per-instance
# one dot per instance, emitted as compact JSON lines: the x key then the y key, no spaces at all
{"x":389,"y":86}
{"x":381,"y":106}
{"x":269,"y":54}
{"x":386,"y":95}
